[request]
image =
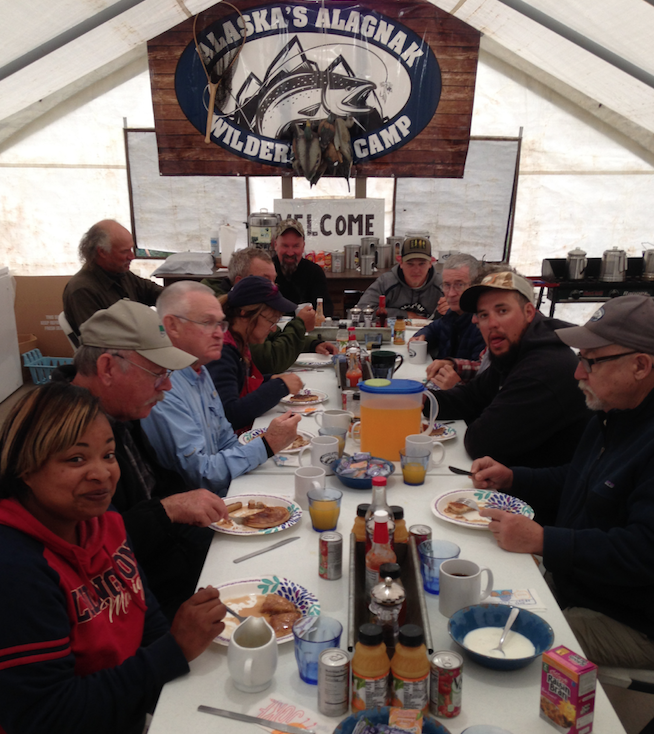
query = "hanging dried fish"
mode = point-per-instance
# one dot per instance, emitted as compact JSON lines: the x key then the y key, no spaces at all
{"x":306,"y":151}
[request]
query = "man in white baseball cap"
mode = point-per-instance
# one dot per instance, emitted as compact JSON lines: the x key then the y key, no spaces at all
{"x":595,"y":515}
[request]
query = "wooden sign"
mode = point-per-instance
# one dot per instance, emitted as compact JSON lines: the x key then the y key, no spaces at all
{"x":402,"y":74}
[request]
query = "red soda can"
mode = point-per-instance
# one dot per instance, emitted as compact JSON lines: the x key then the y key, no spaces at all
{"x":331,"y":556}
{"x":445,"y":684}
{"x":420,"y":533}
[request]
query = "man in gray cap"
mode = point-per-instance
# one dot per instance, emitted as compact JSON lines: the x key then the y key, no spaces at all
{"x":125,"y":359}
{"x":525,"y":408}
{"x":299,"y":280}
{"x":412,"y":288}
{"x":596,"y":514}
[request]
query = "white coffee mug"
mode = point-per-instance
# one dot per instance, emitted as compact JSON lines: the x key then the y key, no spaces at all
{"x":417,"y":352}
{"x":460,"y":585}
{"x":306,"y":478}
{"x":334,"y":419}
{"x":252,"y":655}
{"x":417,"y":444}
{"x":324,"y":452}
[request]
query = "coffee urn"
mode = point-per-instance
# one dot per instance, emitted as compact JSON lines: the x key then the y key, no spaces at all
{"x":614,"y":265}
{"x":576,"y":264}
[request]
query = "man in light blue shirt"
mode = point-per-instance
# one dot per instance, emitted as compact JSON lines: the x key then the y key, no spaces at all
{"x":189,"y":430}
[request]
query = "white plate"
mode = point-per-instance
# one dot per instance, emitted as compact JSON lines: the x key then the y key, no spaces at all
{"x":450,"y":432}
{"x":246,"y":591}
{"x":273,"y":500}
{"x":473,"y":519}
{"x":419,"y":323}
{"x":248,"y":436}
{"x":322,"y":397}
{"x":311,"y":359}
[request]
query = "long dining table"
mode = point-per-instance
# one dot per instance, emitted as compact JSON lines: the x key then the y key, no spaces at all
{"x":509,"y":699}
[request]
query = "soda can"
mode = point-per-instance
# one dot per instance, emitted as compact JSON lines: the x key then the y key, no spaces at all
{"x":333,"y":682}
{"x":420,"y":533}
{"x":331,"y":555}
{"x":348,"y":399}
{"x":445,"y":681}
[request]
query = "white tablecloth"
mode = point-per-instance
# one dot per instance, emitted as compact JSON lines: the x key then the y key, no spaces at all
{"x":505,"y":699}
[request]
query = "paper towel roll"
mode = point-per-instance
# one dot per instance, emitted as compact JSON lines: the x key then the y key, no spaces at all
{"x":227,"y":244}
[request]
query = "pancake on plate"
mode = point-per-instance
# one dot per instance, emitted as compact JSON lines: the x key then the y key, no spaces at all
{"x":300,"y":398}
{"x":268,"y":517}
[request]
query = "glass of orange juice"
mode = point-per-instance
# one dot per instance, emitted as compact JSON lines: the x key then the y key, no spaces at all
{"x":324,"y":508}
{"x":414,"y":468}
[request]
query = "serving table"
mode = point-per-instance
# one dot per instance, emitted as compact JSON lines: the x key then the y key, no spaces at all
{"x":505,"y":699}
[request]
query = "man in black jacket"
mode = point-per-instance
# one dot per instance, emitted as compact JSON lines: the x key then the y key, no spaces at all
{"x":525,"y":408}
{"x":125,"y":360}
{"x":299,"y":280}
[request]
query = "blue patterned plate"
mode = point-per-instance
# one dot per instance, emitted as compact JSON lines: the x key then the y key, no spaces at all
{"x":243,"y":594}
{"x":231,"y":528}
{"x":380,"y":716}
{"x":483,"y":497}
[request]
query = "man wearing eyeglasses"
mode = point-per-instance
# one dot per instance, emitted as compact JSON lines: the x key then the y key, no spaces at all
{"x":454,"y":341}
{"x":126,"y":360}
{"x":189,"y":430}
{"x":596,"y":514}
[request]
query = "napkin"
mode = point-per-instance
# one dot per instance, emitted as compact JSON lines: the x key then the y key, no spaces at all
{"x":522,"y":598}
{"x":279,"y":708}
{"x":281,"y":460}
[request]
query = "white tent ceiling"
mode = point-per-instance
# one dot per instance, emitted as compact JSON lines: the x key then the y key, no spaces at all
{"x":597,"y":54}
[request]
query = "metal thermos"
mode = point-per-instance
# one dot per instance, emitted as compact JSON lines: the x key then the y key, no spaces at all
{"x":396,"y":242}
{"x":261,"y":228}
{"x":368,"y":245}
{"x":385,"y":256}
{"x":614,"y":265}
{"x":648,"y":265}
{"x":338,"y":262}
{"x":576,"y":264}
{"x":367,"y":263}
{"x":351,"y":256}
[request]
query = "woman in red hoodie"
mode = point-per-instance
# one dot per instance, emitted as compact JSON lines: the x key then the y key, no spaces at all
{"x":83,"y":644}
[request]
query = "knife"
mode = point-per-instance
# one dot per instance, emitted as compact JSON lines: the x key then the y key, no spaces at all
{"x":265,"y":550}
{"x":255,"y":720}
{"x":465,"y":472}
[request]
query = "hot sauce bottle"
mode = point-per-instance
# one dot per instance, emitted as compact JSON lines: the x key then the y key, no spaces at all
{"x":381,"y":314}
{"x":380,"y":552}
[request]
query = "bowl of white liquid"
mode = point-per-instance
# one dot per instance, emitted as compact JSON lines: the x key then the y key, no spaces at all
{"x":478,"y":628}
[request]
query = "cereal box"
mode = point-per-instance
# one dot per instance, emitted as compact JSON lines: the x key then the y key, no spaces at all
{"x":567,"y":691}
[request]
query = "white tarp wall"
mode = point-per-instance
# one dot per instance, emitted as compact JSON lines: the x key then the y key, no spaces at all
{"x":581,"y":184}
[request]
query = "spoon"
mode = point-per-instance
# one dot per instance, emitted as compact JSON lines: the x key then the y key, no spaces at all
{"x":234,"y":614}
{"x":509,"y":623}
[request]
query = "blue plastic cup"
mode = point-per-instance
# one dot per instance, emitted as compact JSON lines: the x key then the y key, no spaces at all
{"x":312,"y":635}
{"x":432,"y":554}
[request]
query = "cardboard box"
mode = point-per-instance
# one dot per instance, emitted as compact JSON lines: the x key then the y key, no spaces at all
{"x":38,"y":304}
{"x":27,"y":342}
{"x":567,"y":691}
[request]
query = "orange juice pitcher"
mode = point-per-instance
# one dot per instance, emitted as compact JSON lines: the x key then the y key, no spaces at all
{"x":391,"y":410}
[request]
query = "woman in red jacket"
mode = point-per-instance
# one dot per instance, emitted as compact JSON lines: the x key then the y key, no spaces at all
{"x":83,"y":644}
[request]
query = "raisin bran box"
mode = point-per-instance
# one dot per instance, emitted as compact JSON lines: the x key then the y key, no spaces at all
{"x":567,"y":691}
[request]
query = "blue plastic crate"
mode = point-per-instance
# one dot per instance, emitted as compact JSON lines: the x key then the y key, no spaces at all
{"x":40,"y":367}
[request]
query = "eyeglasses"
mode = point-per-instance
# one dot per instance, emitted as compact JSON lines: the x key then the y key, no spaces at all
{"x":457,"y":287}
{"x":207,"y":326}
{"x":587,"y":364}
{"x":272,"y":322}
{"x":161,"y":376}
